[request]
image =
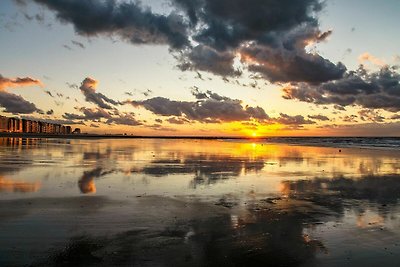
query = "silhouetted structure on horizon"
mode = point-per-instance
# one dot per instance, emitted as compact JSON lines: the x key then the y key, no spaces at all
{"x":16,"y":125}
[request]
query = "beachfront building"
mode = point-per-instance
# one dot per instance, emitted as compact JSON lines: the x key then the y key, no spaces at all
{"x":3,"y":124}
{"x":26,"y":126}
{"x":16,"y":125}
{"x":35,"y":127}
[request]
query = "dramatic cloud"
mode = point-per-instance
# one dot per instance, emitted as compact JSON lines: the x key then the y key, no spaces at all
{"x":268,"y":37}
{"x":229,"y":23}
{"x":290,"y":65}
{"x":371,"y":90}
{"x":108,"y":117}
{"x":206,"y":58}
{"x":210,"y":108}
{"x":128,"y":20}
{"x":14,"y":103}
{"x":88,"y":89}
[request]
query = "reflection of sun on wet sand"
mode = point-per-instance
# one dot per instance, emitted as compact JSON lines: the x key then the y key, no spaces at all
{"x":7,"y":185}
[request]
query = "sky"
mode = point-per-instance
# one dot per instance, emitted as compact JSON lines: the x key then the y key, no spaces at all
{"x":203,"y":67}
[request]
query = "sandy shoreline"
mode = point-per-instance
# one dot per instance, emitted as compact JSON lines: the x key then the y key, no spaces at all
{"x":113,"y":136}
{"x":373,"y":143}
{"x":161,"y":202}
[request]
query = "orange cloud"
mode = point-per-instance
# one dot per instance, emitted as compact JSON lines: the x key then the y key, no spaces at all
{"x":90,"y":83}
{"x":374,"y":60}
{"x":17,"y":82}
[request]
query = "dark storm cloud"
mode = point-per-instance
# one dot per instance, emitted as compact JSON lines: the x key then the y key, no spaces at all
{"x":88,"y":89}
{"x":212,"y":108}
{"x":16,"y":104}
{"x":286,"y":65}
{"x":13,"y":103}
{"x":371,"y":90}
{"x":129,"y":20}
{"x":206,"y":58}
{"x":270,"y":37}
{"x":228,"y":23}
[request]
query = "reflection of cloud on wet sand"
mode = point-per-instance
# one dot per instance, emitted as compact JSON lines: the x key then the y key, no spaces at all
{"x":86,"y":182}
{"x":371,"y":201}
{"x":8,"y":185}
{"x":381,"y":189}
{"x":369,"y":219}
{"x":252,"y":236}
{"x":207,"y":169}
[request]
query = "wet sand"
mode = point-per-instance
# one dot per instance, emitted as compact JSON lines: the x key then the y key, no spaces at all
{"x":156,"y":202}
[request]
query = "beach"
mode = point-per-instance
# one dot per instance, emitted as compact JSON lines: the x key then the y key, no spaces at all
{"x":198,"y":202}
